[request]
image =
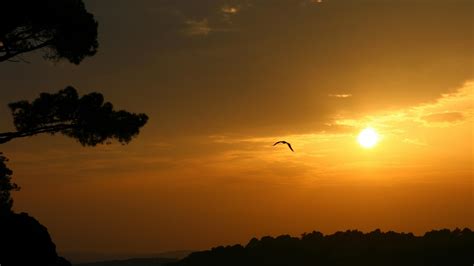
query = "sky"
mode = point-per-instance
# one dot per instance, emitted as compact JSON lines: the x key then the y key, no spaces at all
{"x":222,"y":81}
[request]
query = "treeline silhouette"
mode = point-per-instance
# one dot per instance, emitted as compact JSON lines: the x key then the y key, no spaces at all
{"x":443,"y":247}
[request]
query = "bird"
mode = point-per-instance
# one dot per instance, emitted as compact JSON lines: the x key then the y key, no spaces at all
{"x":284,"y":142}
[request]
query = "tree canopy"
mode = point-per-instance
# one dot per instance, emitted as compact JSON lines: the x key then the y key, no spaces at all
{"x":88,"y":119}
{"x":63,"y":29}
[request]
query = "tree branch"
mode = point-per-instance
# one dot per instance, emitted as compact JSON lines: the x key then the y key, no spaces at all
{"x":7,"y":136}
{"x":8,"y":55}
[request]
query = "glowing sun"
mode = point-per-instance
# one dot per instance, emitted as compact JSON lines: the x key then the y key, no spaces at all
{"x":368,"y":138}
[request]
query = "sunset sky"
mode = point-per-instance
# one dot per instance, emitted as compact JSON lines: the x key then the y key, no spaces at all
{"x":222,"y":81}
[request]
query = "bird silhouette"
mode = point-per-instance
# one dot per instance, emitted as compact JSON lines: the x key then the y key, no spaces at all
{"x":284,"y":142}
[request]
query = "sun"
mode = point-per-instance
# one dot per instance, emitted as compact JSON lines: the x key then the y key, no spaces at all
{"x":368,"y":138}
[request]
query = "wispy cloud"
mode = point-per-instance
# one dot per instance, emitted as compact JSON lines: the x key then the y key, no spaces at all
{"x":203,"y":28}
{"x":345,"y":95}
{"x":311,"y":2}
{"x":197,"y":27}
{"x":414,"y":141}
{"x":230,"y":10}
{"x":443,"y":117}
{"x":449,"y":108}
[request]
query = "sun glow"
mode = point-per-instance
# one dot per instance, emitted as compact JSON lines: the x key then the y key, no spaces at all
{"x":368,"y":138}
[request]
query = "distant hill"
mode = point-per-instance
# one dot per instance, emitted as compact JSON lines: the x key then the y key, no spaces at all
{"x":132,"y":262}
{"x":78,"y":258}
{"x":435,"y":248}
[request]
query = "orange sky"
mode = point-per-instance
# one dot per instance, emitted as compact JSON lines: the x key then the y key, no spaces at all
{"x":221,"y":82}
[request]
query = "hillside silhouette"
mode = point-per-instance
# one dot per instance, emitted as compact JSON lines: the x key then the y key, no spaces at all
{"x":443,"y":247}
{"x":24,"y":241}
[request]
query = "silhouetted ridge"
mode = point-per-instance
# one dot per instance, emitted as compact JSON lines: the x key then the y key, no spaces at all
{"x":443,"y":247}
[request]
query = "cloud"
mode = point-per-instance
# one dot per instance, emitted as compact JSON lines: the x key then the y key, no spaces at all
{"x":444,"y":117}
{"x":311,"y":2}
{"x":340,"y":95}
{"x":230,"y":10}
{"x":202,"y":28}
{"x":197,"y":27}
{"x":449,"y":108}
{"x":334,"y":128}
{"x":413,"y":141}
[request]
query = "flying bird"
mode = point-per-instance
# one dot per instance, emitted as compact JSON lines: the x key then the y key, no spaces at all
{"x":284,"y":142}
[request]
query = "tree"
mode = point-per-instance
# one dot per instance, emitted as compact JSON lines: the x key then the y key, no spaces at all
{"x":88,"y":119}
{"x":6,"y":186}
{"x":63,"y":29}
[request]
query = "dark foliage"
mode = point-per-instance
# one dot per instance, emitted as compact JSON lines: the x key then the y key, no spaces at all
{"x":87,"y":119}
{"x":6,"y":186}
{"x":24,"y":241}
{"x":442,"y":247}
{"x":62,"y":28}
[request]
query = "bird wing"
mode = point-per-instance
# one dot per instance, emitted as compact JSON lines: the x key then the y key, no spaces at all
{"x":289,"y":146}
{"x":278,"y":142}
